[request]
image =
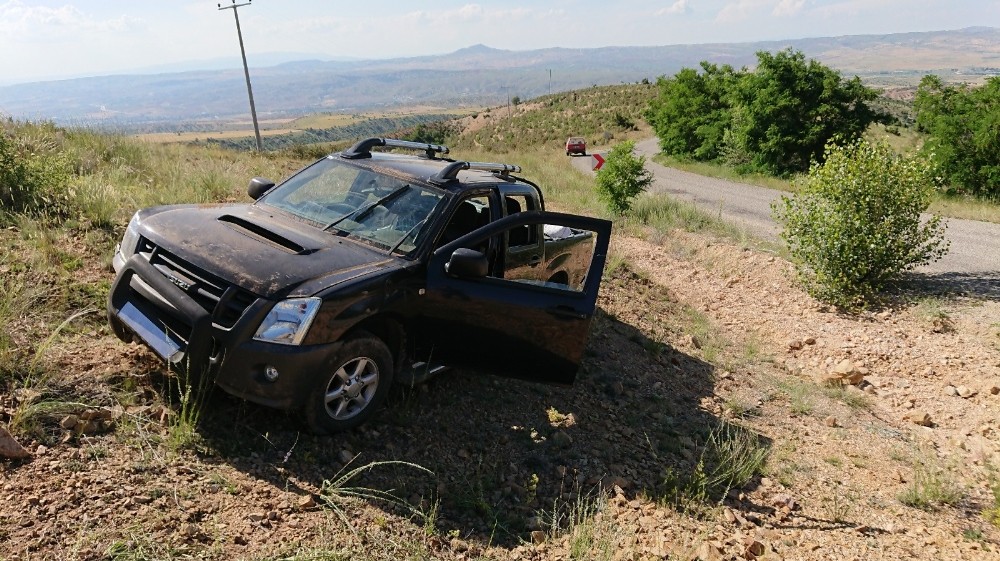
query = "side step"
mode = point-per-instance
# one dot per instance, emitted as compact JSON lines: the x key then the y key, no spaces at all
{"x":419,"y":373}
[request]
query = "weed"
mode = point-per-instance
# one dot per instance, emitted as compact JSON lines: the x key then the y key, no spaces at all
{"x":335,"y":492}
{"x":740,"y":406}
{"x":932,"y":487}
{"x":732,"y":456}
{"x":992,"y":513}
{"x":193,"y":389}
{"x":931,"y":310}
{"x":834,"y":461}
{"x":591,"y":534}
{"x":839,"y":504}
{"x":799,"y":395}
{"x":973,"y":535}
{"x":849,"y":397}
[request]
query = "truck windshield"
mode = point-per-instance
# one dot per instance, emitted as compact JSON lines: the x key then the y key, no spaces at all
{"x":377,"y":209}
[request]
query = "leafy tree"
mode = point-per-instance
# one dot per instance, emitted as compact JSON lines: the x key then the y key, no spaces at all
{"x":622,"y":177}
{"x":855,"y":226}
{"x":964,"y":128}
{"x":790,"y":109}
{"x":776,"y":119}
{"x":692,"y":111}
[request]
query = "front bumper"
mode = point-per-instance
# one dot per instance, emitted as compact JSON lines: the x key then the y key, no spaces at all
{"x":145,"y":305}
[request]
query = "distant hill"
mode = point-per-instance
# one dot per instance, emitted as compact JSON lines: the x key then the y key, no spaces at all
{"x":473,"y":76}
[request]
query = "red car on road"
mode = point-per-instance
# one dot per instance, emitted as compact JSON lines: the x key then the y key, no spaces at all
{"x":576,"y":145}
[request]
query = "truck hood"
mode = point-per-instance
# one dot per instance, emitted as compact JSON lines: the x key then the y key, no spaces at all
{"x":265,"y":252}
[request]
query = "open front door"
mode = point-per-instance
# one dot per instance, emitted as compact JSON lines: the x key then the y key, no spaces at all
{"x":488,"y":317}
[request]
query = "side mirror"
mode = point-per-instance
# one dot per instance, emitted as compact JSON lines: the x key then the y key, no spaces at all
{"x":258,"y":186}
{"x":467,"y":263}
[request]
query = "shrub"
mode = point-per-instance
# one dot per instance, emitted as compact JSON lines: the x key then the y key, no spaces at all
{"x":34,"y":172}
{"x":855,"y":226}
{"x":622,"y":177}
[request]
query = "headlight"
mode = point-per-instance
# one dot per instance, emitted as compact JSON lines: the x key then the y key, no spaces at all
{"x":288,"y":321}
{"x":131,"y":238}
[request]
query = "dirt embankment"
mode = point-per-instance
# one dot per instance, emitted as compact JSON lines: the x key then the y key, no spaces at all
{"x":694,"y":335}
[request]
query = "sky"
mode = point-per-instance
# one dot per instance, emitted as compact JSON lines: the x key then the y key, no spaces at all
{"x":72,"y":38}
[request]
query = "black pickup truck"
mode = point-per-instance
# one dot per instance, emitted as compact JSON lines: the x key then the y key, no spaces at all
{"x":364,"y":268}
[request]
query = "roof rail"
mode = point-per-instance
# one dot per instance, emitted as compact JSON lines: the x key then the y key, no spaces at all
{"x":363,"y":148}
{"x":450,"y":172}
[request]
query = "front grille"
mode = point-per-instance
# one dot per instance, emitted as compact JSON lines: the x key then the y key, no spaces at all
{"x":225,"y":301}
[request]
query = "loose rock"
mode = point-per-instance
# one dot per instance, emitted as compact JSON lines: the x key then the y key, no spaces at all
{"x":10,"y":448}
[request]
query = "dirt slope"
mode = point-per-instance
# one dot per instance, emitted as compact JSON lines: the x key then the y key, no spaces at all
{"x":693,"y":334}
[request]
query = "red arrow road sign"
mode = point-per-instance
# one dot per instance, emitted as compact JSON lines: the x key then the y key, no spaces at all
{"x":596,"y":161}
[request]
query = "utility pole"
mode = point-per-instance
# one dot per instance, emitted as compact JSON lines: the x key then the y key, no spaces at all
{"x":246,"y":70}
{"x":550,"y":81}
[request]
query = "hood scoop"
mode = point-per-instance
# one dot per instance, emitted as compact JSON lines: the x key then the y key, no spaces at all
{"x":264,"y":235}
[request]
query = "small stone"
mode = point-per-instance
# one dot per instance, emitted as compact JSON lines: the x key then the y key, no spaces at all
{"x":752,"y":548}
{"x":345,"y":456}
{"x":694,"y":342}
{"x":537,"y":536}
{"x":830,"y":421}
{"x":10,"y":448}
{"x":810,"y":340}
{"x":994,"y":390}
{"x":189,"y":530}
{"x":69,"y":422}
{"x":463,"y":453}
{"x":709,"y":552}
{"x":830,"y":380}
{"x":950,"y":390}
{"x":794,"y":345}
{"x":844,"y":368}
{"x":306,"y":502}
{"x":921,"y":418}
{"x":784,"y":500}
{"x":257,"y":516}
{"x":965,"y":392}
{"x":855,"y":378}
{"x":561,"y":439}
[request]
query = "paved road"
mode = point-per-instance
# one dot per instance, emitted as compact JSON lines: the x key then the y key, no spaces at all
{"x":973,"y":261}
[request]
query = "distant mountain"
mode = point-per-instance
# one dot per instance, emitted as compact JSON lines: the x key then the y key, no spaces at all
{"x":473,"y":76}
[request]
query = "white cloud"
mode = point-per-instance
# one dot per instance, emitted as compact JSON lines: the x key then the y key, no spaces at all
{"x":740,"y":10}
{"x":788,"y":7}
{"x":18,"y":19}
{"x":678,"y":7}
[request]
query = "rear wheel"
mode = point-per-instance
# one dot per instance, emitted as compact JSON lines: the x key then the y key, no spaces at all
{"x":353,"y":386}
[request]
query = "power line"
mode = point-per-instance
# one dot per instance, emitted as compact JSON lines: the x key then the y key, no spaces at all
{"x":246,"y":70}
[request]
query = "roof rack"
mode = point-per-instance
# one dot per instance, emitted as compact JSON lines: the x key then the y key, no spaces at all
{"x":450,"y":172}
{"x":363,"y":149}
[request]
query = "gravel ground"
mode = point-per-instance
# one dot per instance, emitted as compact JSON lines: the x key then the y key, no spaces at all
{"x":693,"y":335}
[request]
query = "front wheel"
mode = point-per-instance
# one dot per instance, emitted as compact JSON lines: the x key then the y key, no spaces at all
{"x":352,"y":387}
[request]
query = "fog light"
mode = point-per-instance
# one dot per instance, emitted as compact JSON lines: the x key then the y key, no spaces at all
{"x":271,"y":373}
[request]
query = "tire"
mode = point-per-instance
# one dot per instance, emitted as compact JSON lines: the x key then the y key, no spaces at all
{"x":567,"y":152}
{"x":352,"y":387}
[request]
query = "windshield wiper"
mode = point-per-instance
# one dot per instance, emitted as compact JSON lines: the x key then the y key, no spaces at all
{"x":406,"y":235}
{"x":363,"y":211}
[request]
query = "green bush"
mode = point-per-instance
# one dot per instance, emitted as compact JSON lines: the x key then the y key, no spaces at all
{"x":622,"y":177}
{"x":963,"y":123}
{"x":855,"y":226}
{"x":34,"y":171}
